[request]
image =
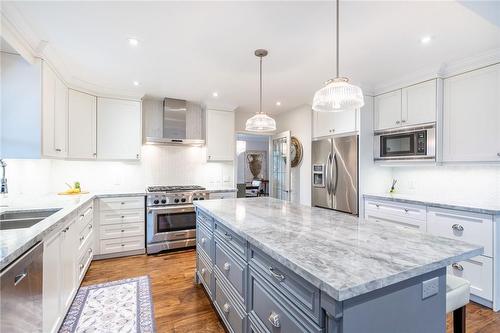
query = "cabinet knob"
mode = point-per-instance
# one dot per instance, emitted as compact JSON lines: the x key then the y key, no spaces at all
{"x":227,"y":266}
{"x":58,"y":149}
{"x":274,"y":319}
{"x":457,"y":266}
{"x":457,"y":227}
{"x":203,"y":240}
{"x":226,"y":307}
{"x":123,"y":230}
{"x":203,"y":271}
{"x":137,"y":156}
{"x":397,"y":122}
{"x":82,"y":238}
{"x":498,"y":154}
{"x":209,"y":156}
{"x":123,"y":244}
{"x":403,"y":121}
{"x":81,"y":266}
{"x":227,"y":236}
{"x":94,"y":154}
{"x":406,"y":210}
{"x":90,"y":250}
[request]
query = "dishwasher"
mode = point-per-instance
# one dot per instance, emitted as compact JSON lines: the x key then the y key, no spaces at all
{"x":21,"y":285}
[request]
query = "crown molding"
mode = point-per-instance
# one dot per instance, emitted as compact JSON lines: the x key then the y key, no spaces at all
{"x":12,"y":36}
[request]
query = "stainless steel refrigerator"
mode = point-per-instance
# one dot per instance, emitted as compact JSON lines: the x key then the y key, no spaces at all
{"x":335,"y":173}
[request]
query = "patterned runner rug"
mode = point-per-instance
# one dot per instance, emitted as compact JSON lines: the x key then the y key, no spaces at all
{"x":112,"y":307}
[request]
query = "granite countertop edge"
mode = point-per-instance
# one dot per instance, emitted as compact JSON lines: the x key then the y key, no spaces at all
{"x":51,"y":223}
{"x":347,"y":293}
{"x":431,"y":203}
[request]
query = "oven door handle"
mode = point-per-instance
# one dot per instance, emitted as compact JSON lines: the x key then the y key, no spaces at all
{"x":171,"y":210}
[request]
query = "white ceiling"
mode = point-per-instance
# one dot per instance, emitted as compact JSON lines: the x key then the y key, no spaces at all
{"x":190,"y":49}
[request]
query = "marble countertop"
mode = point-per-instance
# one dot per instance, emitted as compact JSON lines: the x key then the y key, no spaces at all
{"x":341,"y":254}
{"x":484,"y":206}
{"x":14,"y":242}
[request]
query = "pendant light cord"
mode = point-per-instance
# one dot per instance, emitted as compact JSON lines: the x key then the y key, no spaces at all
{"x":338,"y":60}
{"x":260,"y":107}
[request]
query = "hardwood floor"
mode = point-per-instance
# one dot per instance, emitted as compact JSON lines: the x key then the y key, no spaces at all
{"x":182,"y":306}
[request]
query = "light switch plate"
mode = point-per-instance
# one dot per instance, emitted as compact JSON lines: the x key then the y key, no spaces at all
{"x":430,"y":287}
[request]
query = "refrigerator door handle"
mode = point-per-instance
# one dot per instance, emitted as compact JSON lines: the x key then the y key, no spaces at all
{"x":336,"y":165}
{"x":327,"y":174}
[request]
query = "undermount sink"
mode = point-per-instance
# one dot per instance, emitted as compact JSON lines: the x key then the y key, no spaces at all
{"x":21,"y":219}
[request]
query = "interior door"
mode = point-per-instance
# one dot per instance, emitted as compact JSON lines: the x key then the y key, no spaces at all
{"x":280,"y":179}
{"x":344,"y":174}
{"x":321,"y":159}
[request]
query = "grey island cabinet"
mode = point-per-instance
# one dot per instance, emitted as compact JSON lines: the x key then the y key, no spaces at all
{"x":272,"y":266}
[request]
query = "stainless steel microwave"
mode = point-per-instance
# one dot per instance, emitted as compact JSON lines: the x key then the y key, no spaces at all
{"x":411,"y":143}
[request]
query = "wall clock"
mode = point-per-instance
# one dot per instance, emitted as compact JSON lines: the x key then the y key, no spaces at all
{"x":295,"y":152}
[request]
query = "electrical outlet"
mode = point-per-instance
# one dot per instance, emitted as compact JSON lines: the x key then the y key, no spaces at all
{"x":430,"y":287}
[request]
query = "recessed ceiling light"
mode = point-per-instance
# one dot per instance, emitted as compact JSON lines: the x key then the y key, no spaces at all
{"x":136,"y":83}
{"x":133,"y":42}
{"x":425,"y":39}
{"x":215,"y":94}
{"x":278,"y":103}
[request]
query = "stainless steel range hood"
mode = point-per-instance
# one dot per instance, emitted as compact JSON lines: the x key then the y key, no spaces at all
{"x":172,"y":122}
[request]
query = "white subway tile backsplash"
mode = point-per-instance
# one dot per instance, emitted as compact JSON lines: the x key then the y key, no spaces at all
{"x":170,"y":165}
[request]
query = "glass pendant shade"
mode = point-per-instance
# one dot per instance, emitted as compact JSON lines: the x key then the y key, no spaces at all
{"x":338,"y":95}
{"x":260,"y":122}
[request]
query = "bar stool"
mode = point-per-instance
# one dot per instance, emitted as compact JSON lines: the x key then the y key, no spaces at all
{"x":457,"y":296}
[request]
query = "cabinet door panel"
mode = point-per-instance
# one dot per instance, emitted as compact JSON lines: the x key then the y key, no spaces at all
{"x":52,"y":283}
{"x":330,"y":123}
{"x":48,"y":110}
{"x":61,"y":119}
{"x":118,"y":129}
{"x":471,"y":116}
{"x":220,"y":135}
{"x":419,"y":103}
{"x":479,"y":271}
{"x":68,"y":263}
{"x":82,"y":125}
{"x":387,"y":110}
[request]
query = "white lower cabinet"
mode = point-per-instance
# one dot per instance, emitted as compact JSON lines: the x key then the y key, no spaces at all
{"x":464,"y":226}
{"x":121,"y":226}
{"x":64,"y":250}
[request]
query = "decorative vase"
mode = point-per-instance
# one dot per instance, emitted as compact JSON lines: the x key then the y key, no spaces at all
{"x":255,"y":164}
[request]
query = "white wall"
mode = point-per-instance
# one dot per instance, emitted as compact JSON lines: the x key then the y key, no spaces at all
{"x":453,"y":182}
{"x":165,"y":165}
{"x":299,"y":122}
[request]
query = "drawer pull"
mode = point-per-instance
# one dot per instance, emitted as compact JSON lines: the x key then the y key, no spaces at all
{"x":376,"y":205}
{"x":274,"y":319}
{"x":226,"y":307}
{"x":123,"y":203}
{"x":458,"y":267}
{"x":123,"y":244}
{"x":203,"y":271}
{"x":123,"y":217}
{"x":227,"y":266}
{"x":203,"y":240}
{"x":81,"y":266}
{"x":406,"y":210}
{"x":90,"y":250}
{"x":123,"y":230}
{"x":90,"y":226}
{"x":82,"y":238}
{"x":457,"y":227}
{"x":227,"y":236}
{"x":277,"y":276}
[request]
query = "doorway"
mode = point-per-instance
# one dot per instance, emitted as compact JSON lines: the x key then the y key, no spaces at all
{"x":252,"y":160}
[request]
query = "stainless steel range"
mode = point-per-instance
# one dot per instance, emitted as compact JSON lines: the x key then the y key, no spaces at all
{"x":171,"y":217}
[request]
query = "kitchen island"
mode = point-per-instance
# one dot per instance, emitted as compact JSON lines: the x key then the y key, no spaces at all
{"x":273,"y":266}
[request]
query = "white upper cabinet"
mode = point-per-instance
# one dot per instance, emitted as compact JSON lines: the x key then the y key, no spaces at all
{"x":471,"y":116}
{"x":118,"y":129}
{"x":410,"y":106}
{"x":220,"y":135}
{"x":419,"y":103}
{"x":54,"y":114}
{"x":330,"y":123}
{"x":82,"y":125}
{"x":387,"y":110}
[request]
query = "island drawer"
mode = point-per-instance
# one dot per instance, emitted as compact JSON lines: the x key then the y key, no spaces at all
{"x":121,"y":203}
{"x":122,"y":216}
{"x":382,"y":208}
{"x":204,"y":241}
{"x":274,"y":313}
{"x":231,"y":268}
{"x":205,"y":274}
{"x":233,"y":317}
{"x":405,"y":222}
{"x":465,"y":226}
{"x":235,"y":242}
{"x":109,"y":231}
{"x":479,"y":271}
{"x":304,"y":295}
{"x":205,"y":219}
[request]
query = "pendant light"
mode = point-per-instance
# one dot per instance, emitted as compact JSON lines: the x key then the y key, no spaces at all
{"x":260,"y":122}
{"x":338,"y":94}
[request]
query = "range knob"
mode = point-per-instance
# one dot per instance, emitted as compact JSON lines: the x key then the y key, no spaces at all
{"x":202,"y":198}
{"x":194,"y":199}
{"x":156,"y":201}
{"x":183,"y":199}
{"x":163,"y":201}
{"x":176,"y":200}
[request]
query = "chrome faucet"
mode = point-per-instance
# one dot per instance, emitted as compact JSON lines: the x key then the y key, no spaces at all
{"x":3,"y":184}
